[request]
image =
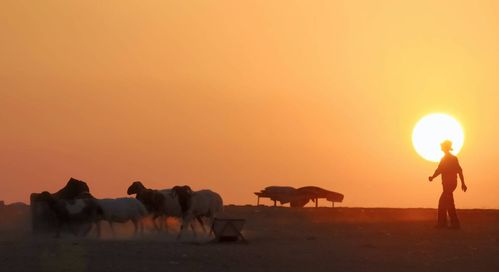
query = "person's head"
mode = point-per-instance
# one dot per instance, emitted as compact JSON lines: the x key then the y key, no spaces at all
{"x":446,"y":146}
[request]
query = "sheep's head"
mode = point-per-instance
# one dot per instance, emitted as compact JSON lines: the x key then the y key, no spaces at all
{"x":183,"y":193}
{"x":178,"y":191}
{"x":135,"y":188}
{"x":45,"y":196}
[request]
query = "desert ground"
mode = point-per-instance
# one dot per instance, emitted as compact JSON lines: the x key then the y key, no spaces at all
{"x":279,"y":239}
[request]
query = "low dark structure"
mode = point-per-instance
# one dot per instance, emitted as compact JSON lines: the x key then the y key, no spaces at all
{"x":228,"y":230}
{"x":315,"y":193}
{"x":298,"y":197}
{"x":42,"y":218}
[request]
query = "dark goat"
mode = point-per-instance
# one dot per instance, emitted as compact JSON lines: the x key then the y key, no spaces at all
{"x":153,"y":200}
{"x":67,"y":212}
{"x":43,"y":219}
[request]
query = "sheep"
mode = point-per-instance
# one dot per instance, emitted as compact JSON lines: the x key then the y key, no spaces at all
{"x":41,"y":216}
{"x":77,"y":211}
{"x":122,"y":210}
{"x":204,"y":203}
{"x":160,"y":203}
{"x":153,"y":200}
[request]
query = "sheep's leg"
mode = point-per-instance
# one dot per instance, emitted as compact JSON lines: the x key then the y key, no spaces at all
{"x":136,"y":226}
{"x":97,"y":227}
{"x":200,"y":220}
{"x":141,"y":222}
{"x":185,"y":223}
{"x":112,"y":227}
{"x":211,"y":220}
{"x":161,"y":222}
{"x":193,"y":230}
{"x":58,"y":229}
{"x":180,"y":232}
{"x":154,"y":222}
{"x":165,"y":221}
{"x":72,"y":229}
{"x":75,"y":230}
{"x":87,"y":230}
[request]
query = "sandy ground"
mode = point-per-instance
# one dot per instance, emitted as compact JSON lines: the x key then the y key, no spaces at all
{"x":280,"y":239}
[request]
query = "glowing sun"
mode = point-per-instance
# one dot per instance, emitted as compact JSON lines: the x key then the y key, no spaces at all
{"x":432,"y":130}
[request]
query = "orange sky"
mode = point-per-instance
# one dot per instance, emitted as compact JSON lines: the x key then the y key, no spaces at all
{"x":238,"y":95}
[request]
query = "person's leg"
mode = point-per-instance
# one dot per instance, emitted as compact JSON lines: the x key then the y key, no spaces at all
{"x":454,"y":221}
{"x":442,"y":211}
{"x":449,"y":188}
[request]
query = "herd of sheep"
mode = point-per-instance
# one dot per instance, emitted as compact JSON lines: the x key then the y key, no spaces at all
{"x":74,"y":207}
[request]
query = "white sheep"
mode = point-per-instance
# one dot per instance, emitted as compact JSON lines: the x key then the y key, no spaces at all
{"x":203,"y":203}
{"x":122,"y":210}
{"x":159,"y":203}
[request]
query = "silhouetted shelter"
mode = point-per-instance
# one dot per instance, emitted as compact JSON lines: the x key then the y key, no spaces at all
{"x":298,"y":197}
{"x":315,"y":193}
{"x":42,"y":218}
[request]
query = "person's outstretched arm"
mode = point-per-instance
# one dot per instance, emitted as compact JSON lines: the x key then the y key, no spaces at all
{"x":435,"y":174}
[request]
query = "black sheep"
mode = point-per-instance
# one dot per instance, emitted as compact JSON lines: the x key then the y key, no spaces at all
{"x":69,"y":212}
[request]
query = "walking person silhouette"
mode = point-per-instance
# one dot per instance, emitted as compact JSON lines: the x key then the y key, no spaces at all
{"x":449,"y":168}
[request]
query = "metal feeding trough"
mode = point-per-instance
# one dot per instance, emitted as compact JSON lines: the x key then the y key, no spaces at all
{"x":228,"y":229}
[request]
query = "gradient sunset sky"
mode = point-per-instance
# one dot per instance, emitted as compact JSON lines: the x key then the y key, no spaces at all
{"x":238,"y":95}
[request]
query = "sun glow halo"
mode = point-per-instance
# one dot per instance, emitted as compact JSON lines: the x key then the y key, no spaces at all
{"x":432,"y":130}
